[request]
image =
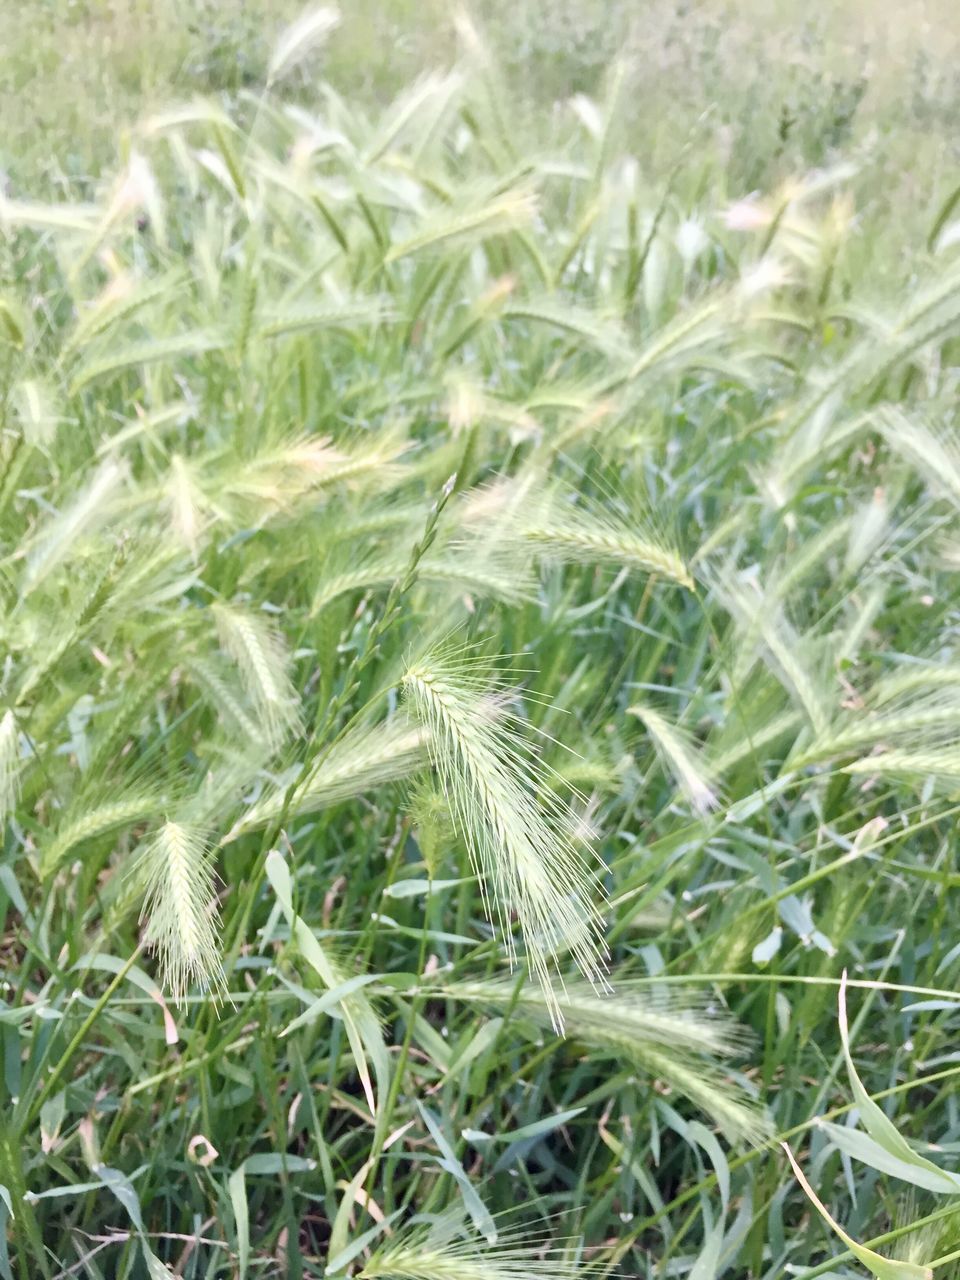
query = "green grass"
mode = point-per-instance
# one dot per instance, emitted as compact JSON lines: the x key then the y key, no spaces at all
{"x":479,"y":654}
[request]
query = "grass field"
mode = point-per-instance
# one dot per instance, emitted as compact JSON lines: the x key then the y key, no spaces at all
{"x":480,"y":674}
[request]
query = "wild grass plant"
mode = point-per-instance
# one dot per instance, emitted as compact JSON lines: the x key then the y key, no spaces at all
{"x":479,"y":665}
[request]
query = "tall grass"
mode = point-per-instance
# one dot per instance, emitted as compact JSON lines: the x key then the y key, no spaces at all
{"x":478,"y":665}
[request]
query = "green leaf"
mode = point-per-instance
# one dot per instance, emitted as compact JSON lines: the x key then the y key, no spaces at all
{"x":477,"y":1210}
{"x":476,"y":1045}
{"x":340,"y":1229}
{"x":330,"y":1000}
{"x":274,"y":1162}
{"x":421,"y":888}
{"x":534,"y":1130}
{"x":357,"y":1245}
{"x":124,"y":1190}
{"x":862,"y":1147}
{"x":883,"y":1131}
{"x":360,"y":1022}
{"x":882,"y":1268}
{"x":237,"y":1186}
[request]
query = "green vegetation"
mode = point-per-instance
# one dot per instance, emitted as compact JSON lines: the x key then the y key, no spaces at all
{"x":479,"y":657}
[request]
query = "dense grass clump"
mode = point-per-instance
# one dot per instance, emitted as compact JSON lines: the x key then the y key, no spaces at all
{"x":479,"y":664}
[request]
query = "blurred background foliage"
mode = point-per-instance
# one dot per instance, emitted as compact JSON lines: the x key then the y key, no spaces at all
{"x":755,"y":89}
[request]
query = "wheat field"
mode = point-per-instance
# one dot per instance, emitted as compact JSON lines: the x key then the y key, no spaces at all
{"x":478,"y":755}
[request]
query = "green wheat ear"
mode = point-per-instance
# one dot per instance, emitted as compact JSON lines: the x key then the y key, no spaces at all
{"x":366,"y":757}
{"x":553,"y":525}
{"x":432,"y":824}
{"x":518,"y":834}
{"x":446,"y":1249}
{"x":9,"y":764}
{"x":263,"y":662}
{"x":681,"y":758}
{"x":674,"y":1040}
{"x":180,"y":907}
